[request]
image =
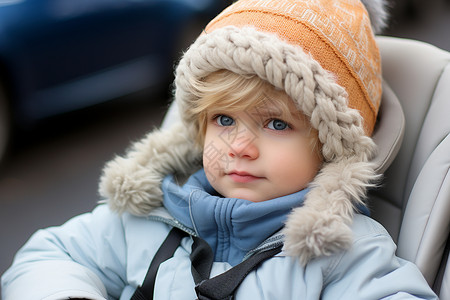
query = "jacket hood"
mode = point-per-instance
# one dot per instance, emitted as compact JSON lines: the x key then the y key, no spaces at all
{"x":339,"y":93}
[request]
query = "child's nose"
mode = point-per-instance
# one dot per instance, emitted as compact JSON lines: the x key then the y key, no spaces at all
{"x":244,"y":146}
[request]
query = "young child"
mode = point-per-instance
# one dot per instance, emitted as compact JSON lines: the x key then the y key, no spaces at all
{"x":278,"y":100}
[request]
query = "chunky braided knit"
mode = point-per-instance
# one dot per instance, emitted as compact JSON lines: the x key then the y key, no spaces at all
{"x":247,"y":51}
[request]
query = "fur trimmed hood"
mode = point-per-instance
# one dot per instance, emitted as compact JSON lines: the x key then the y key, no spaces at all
{"x":342,"y":107}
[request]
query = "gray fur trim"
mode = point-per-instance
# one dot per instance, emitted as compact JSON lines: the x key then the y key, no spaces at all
{"x":133,"y":183}
{"x":322,"y":225}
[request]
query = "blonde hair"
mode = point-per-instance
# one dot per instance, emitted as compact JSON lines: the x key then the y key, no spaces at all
{"x":225,"y":90}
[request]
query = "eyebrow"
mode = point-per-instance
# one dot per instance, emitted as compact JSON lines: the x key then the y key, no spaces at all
{"x":268,"y":109}
{"x":269,"y":112}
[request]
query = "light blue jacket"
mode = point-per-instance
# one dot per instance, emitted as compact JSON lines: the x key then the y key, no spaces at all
{"x":102,"y":255}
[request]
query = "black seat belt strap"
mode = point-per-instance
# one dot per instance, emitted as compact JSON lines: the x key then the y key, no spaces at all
{"x":165,"y":251}
{"x":224,"y":285}
{"x":220,"y":287}
{"x":202,"y":259}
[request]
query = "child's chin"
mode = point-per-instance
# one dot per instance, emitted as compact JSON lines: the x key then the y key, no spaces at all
{"x":249,"y":196}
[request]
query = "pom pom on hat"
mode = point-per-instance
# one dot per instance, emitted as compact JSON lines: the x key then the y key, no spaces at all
{"x":377,"y":13}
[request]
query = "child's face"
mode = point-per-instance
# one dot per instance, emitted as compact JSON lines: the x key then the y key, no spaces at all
{"x":257,"y":155}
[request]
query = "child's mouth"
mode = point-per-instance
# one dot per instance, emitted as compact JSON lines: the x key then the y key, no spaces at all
{"x":242,"y":177}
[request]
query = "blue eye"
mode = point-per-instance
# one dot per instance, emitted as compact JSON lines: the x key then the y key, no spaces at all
{"x":276,"y":124}
{"x":223,"y":120}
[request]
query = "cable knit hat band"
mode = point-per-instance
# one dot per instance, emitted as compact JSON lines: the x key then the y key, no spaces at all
{"x":322,"y":53}
{"x":314,"y":90}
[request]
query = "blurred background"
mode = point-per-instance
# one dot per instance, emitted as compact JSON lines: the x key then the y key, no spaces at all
{"x":80,"y":80}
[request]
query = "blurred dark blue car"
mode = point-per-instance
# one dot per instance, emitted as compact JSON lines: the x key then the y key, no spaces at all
{"x":57,"y":56}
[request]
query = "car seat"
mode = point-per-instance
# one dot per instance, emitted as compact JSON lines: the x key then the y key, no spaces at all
{"x":413,"y":201}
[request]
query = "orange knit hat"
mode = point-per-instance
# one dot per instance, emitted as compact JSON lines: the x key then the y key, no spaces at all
{"x":337,"y":34}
